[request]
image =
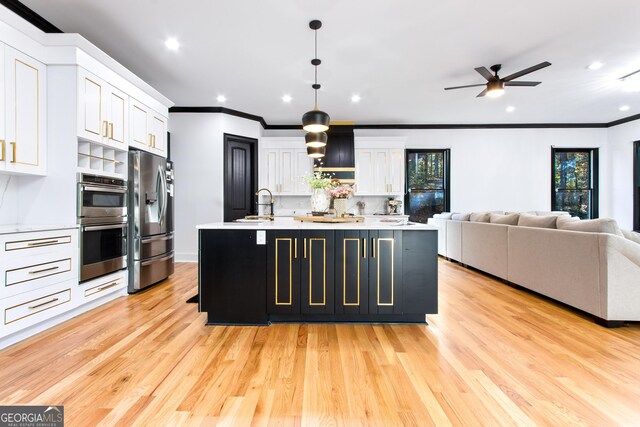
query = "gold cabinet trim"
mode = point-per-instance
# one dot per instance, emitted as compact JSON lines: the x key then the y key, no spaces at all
{"x":15,"y":82}
{"x":392,"y":241}
{"x":344,"y":272}
{"x":290,"y":240}
{"x":324,"y":270}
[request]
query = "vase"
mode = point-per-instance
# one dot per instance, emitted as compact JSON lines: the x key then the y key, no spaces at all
{"x":319,"y":200}
{"x":340,"y":205}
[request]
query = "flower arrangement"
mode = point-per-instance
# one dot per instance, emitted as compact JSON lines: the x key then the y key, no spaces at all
{"x":341,"y":191}
{"x":317,"y":179}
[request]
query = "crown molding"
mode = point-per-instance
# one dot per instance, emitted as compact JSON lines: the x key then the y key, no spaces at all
{"x":30,"y":16}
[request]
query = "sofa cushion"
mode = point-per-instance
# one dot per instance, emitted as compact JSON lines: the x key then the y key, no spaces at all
{"x":527,"y":220}
{"x":443,"y":215}
{"x":631,"y":235}
{"x":600,"y":225}
{"x":479,"y":217}
{"x":510,"y":219}
{"x":460,"y":217}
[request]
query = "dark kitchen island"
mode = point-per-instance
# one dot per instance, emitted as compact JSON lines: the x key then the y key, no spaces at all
{"x":285,"y":271}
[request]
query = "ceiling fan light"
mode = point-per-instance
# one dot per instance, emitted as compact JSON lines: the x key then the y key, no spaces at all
{"x":495,"y":89}
{"x":315,"y":139}
{"x":316,"y":152}
{"x":315,"y":121}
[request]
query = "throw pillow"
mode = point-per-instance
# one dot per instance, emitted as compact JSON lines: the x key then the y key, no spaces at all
{"x":600,"y":225}
{"x":566,"y":218}
{"x":510,"y":219}
{"x":444,"y":215}
{"x":527,"y":220}
{"x":479,"y":217}
{"x":631,"y":235}
{"x":460,"y":217}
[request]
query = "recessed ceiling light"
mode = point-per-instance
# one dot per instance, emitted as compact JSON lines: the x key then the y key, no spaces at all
{"x":221,"y":98}
{"x":510,"y":109}
{"x":624,"y":108}
{"x":595,"y":65}
{"x":286,"y":98}
{"x":355,"y":98}
{"x":172,"y":43}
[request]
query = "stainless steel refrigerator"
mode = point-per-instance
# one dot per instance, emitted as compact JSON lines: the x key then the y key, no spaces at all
{"x":150,"y":219}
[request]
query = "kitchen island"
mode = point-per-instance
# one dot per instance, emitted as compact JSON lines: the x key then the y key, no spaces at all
{"x":286,"y":271}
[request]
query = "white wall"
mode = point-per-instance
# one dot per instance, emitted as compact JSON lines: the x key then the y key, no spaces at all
{"x":620,"y":164}
{"x":197,"y":151}
{"x":8,"y":199}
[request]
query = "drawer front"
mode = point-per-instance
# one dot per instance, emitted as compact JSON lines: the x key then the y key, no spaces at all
{"x":36,"y":273}
{"x":37,"y":243}
{"x":94,"y":289}
{"x":105,"y":288}
{"x":36,"y":307}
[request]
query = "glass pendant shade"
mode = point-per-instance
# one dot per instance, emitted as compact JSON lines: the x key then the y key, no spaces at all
{"x":316,"y":152}
{"x":315,"y":121}
{"x":315,"y":139}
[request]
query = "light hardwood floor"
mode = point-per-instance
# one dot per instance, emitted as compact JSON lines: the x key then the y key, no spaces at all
{"x":492,"y":356}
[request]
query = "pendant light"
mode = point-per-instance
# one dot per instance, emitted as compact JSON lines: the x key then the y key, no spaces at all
{"x":315,"y":139}
{"x":316,"y":152}
{"x":315,"y":120}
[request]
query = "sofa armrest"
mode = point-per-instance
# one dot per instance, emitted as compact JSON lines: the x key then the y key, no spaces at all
{"x":619,"y":277}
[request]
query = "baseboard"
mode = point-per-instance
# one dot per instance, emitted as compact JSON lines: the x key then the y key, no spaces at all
{"x":186,"y":257}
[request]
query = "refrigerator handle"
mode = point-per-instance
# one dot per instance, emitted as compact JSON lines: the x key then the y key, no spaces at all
{"x":163,"y":179}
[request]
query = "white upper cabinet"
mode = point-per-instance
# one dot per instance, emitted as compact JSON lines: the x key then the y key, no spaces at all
{"x":283,"y":164}
{"x":148,"y":129}
{"x":102,"y":111}
{"x":379,"y":171}
{"x":23,"y":114}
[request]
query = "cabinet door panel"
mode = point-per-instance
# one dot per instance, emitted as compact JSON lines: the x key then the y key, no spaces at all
{"x":385,"y":274}
{"x":380,"y":172}
{"x":3,"y":134}
{"x":287,"y":172}
{"x":396,"y":171}
{"x":270,"y":170}
{"x":317,"y":272}
{"x":352,"y":272}
{"x":25,"y":113}
{"x":91,"y":105}
{"x":283,"y":272}
{"x":420,"y":272}
{"x":139,"y":125}
{"x":117,"y":116}
{"x":159,"y":131}
{"x":364,"y":172}
{"x":304,"y":166}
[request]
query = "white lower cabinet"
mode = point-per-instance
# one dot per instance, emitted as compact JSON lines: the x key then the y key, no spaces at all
{"x":101,"y":287}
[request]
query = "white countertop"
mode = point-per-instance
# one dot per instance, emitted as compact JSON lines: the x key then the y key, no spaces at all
{"x":298,"y":225}
{"x":22,"y":228}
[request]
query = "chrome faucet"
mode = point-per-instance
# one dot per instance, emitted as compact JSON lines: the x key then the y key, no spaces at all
{"x":270,"y":204}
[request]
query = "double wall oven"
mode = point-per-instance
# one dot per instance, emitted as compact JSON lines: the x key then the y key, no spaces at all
{"x":102,"y":215}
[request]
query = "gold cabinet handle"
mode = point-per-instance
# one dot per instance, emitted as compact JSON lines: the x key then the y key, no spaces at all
{"x":364,"y":248}
{"x":110,"y":285}
{"x":373,"y":248}
{"x":150,"y":140}
{"x":295,"y":247}
{"x":31,"y":307}
{"x":154,"y":141}
{"x":48,"y":242}
{"x":2,"y":150}
{"x":13,"y":145}
{"x":110,"y":130}
{"x":106,"y":129}
{"x":304,"y":248}
{"x":43,"y":270}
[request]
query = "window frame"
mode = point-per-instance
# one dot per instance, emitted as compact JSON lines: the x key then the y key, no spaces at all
{"x":636,"y":187}
{"x":447,"y":174}
{"x":595,"y":176}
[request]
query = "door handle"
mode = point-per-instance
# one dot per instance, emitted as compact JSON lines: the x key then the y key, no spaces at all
{"x":105,"y":227}
{"x":43,"y":270}
{"x":106,"y":128}
{"x":364,"y":248}
{"x":110,"y":285}
{"x":110,"y":130}
{"x":150,"y":140}
{"x":13,"y":145}
{"x":42,"y":304}
{"x":144,"y":264}
{"x":305,"y":248}
{"x":2,"y":150}
{"x":373,"y":248}
{"x":295,"y":247}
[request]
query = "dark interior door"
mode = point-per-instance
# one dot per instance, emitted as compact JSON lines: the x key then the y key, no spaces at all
{"x":636,"y":186}
{"x":240,"y":176}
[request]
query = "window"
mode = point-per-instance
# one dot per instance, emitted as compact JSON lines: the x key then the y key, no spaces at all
{"x":427,"y":183}
{"x":574,"y":181}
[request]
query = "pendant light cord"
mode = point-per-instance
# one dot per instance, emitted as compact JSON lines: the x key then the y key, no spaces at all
{"x":315,"y":91}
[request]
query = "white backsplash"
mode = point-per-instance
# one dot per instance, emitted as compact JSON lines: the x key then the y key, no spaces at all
{"x":301,"y":205}
{"x":8,"y":199}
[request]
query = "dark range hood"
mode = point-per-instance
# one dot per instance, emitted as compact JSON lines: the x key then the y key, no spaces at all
{"x":339,"y":159}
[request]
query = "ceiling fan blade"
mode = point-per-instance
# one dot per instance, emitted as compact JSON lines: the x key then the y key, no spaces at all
{"x":485,"y":73}
{"x":481,"y":94}
{"x":526,"y":71}
{"x":462,"y":87}
{"x":522,"y":83}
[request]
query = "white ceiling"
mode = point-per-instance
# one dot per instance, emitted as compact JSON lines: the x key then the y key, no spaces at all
{"x":397,"y":55}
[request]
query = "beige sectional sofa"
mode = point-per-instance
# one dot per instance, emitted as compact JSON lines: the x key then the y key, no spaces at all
{"x":594,"y":271}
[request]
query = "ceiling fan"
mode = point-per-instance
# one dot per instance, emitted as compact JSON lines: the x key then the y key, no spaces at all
{"x":495,"y":84}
